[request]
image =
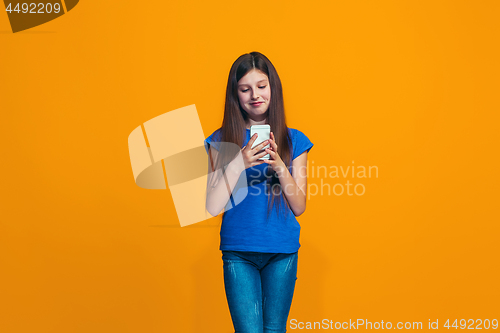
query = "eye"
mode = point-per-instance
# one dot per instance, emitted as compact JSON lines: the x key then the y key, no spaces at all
{"x":244,"y":90}
{"x":262,"y":87}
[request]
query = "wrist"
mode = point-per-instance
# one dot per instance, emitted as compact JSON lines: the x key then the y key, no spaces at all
{"x":281,"y":170}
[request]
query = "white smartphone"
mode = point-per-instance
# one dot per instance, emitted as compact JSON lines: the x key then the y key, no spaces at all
{"x":263,"y":134}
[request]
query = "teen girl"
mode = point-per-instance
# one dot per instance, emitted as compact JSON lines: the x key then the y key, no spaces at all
{"x":259,"y":233}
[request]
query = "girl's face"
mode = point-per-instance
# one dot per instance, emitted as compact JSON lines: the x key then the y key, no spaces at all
{"x":254,"y":94}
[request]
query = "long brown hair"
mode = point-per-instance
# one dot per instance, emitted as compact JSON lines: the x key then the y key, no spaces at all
{"x":233,"y":127}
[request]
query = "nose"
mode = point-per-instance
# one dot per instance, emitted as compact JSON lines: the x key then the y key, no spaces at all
{"x":255,"y":95}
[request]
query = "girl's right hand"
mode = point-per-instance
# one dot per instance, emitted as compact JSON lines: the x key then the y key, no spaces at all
{"x":250,"y":156}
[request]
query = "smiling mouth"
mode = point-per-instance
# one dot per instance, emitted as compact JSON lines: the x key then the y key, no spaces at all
{"x":256,"y":104}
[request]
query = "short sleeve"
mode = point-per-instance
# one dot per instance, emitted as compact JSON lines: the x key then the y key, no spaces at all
{"x":214,"y":137}
{"x":301,"y":143}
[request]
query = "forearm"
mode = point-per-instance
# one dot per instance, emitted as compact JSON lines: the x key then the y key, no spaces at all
{"x":294,"y":194}
{"x":218,"y":191}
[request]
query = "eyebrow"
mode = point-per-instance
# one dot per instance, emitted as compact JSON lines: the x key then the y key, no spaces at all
{"x":248,"y":84}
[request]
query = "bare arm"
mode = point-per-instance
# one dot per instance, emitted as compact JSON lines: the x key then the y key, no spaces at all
{"x":220,"y":184}
{"x":294,"y":186}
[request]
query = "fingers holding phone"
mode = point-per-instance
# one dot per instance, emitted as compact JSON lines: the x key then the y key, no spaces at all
{"x":251,"y":156}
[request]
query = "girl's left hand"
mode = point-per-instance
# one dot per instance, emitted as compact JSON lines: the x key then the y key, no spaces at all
{"x":275,"y":160}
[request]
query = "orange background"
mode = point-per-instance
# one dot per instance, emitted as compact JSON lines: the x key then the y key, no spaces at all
{"x":411,"y":88}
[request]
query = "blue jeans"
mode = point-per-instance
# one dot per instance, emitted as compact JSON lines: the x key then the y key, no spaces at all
{"x":259,"y":289}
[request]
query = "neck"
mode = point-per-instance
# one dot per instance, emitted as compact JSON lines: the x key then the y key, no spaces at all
{"x":251,"y":122}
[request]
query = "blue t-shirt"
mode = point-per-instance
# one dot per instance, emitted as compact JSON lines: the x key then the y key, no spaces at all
{"x":246,"y":227}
